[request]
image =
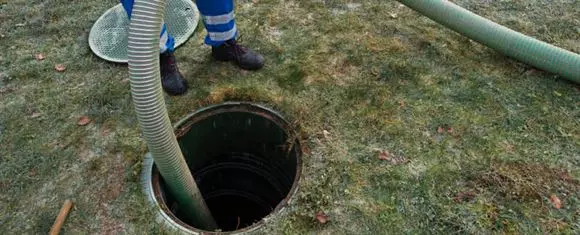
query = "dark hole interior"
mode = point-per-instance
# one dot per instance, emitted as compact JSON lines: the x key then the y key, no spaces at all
{"x":242,"y":162}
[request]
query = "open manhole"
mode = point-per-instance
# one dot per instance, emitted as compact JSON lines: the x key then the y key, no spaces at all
{"x":245,"y":160}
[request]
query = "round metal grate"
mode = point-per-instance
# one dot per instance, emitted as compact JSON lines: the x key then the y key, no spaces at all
{"x":108,"y":37}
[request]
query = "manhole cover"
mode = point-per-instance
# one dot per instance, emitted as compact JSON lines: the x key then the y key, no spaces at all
{"x":108,"y":38}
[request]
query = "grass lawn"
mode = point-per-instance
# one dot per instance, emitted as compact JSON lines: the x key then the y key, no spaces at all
{"x":476,"y":142}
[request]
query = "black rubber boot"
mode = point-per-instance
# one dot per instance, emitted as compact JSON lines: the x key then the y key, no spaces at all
{"x":245,"y":58}
{"x":171,"y":79}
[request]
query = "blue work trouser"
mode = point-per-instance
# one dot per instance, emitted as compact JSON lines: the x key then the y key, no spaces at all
{"x":217,"y":16}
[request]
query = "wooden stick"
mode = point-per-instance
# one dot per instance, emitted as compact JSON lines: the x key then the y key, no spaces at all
{"x":61,"y":217}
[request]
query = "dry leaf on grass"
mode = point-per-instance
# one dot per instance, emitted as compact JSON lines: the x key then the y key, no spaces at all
{"x":556,"y":201}
{"x":326,"y":134}
{"x":60,"y":67}
{"x":321,"y":217}
{"x":384,"y":155}
{"x":39,"y":56}
{"x":83,"y":121}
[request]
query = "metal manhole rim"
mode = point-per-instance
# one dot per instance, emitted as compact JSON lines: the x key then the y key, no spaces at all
{"x":171,"y":221}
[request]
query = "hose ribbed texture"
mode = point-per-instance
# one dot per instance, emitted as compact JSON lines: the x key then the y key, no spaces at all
{"x":143,"y":52}
{"x":511,"y":43}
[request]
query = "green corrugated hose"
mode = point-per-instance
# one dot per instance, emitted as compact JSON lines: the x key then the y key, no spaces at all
{"x":506,"y":41}
{"x":143,"y":51}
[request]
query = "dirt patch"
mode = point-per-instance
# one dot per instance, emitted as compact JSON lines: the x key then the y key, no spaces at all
{"x":111,"y":226}
{"x":525,"y":182}
{"x":552,"y":225}
{"x":108,"y":224}
{"x":115,"y":181}
{"x":464,"y":197}
{"x":380,"y":44}
{"x":113,"y":186}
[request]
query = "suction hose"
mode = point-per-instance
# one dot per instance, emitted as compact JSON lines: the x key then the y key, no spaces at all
{"x":511,"y":43}
{"x":152,"y":114}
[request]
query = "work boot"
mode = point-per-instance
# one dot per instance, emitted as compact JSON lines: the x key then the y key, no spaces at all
{"x":171,"y":79}
{"x":232,"y":51}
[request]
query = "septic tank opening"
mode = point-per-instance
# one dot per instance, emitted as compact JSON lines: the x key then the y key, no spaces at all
{"x":245,"y":160}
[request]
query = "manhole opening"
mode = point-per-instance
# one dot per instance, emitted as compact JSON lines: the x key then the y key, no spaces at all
{"x":245,"y":160}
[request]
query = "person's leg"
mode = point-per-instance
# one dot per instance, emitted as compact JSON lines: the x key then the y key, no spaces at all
{"x":218,"y":18}
{"x":171,"y":79}
{"x":219,"y":21}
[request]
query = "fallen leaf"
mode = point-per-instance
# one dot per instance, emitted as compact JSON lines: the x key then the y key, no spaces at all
{"x":555,"y":201}
{"x":384,"y":155}
{"x":402,"y":103}
{"x":393,"y":15}
{"x":60,"y":67}
{"x":321,"y":217}
{"x":440,"y":130}
{"x":326,"y":134}
{"x":35,"y":115}
{"x":39,"y":56}
{"x":83,"y":121}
